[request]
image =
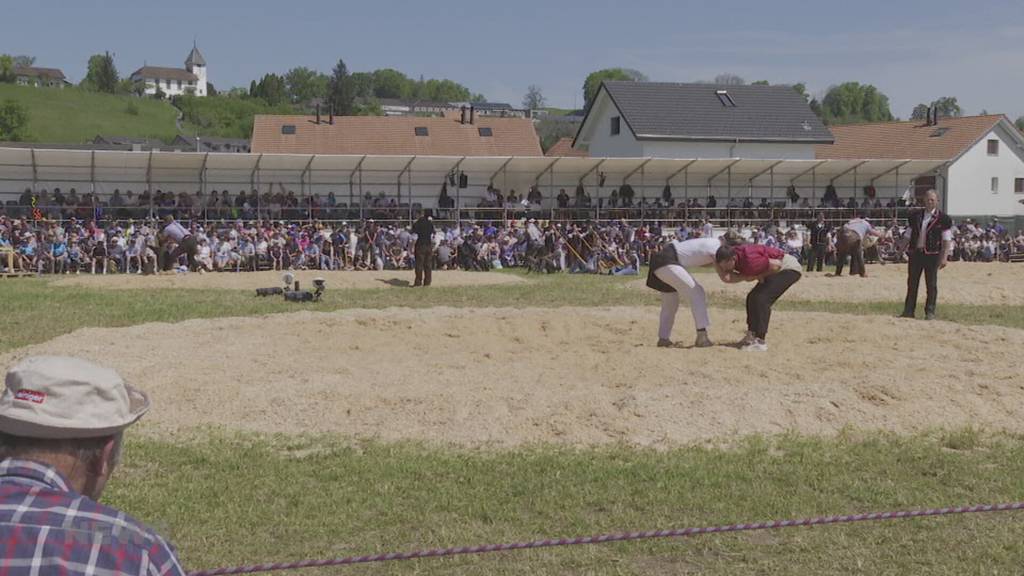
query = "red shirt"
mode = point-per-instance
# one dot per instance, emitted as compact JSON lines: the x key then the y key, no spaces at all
{"x":752,"y":259}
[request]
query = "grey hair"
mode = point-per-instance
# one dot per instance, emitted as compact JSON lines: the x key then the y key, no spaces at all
{"x":86,"y":450}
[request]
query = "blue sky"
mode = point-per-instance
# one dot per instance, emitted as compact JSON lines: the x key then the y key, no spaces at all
{"x":912,"y":51}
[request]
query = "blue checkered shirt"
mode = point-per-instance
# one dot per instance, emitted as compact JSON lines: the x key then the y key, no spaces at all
{"x":48,"y":528}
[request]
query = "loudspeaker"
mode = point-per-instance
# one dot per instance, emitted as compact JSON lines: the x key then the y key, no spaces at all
{"x":463,"y":180}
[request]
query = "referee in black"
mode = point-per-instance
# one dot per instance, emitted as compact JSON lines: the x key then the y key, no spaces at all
{"x":424,"y":252}
{"x":819,"y":231}
{"x":931,"y":235}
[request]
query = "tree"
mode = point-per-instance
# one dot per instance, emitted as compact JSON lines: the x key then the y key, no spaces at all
{"x":534,"y":99}
{"x":362,"y":84}
{"x":1019,"y":123}
{"x":440,"y":91}
{"x":211,"y":90}
{"x":13,"y":121}
{"x":594,"y":80}
{"x":730,"y":80}
{"x":947,"y":107}
{"x":271,"y":89}
{"x":369,"y":107}
{"x":102,"y":74}
{"x":6,"y":68}
{"x":23,"y":61}
{"x":551,"y":130}
{"x":760,"y":83}
{"x":340,"y":90}
{"x":390,"y":83}
{"x":305,"y":85}
{"x":852,"y":102}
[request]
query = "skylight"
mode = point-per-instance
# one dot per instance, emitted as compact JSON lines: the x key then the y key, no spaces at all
{"x":422,"y":131}
{"x":288,"y":129}
{"x":938,"y":132}
{"x":725,"y":98}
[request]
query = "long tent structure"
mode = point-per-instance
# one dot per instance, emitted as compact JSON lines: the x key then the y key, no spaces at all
{"x":418,"y":179}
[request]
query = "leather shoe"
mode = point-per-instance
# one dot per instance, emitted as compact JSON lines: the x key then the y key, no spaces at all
{"x":702,"y":340}
{"x":665,"y":343}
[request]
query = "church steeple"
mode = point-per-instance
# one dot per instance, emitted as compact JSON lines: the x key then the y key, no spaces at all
{"x":194,"y":58}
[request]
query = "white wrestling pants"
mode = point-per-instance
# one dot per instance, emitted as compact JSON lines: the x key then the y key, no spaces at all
{"x":677,"y":277}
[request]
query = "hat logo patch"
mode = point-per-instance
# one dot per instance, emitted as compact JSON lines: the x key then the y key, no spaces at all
{"x":33,"y":396}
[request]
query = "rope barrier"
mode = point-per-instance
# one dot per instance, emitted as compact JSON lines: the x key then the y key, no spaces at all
{"x":603,"y":538}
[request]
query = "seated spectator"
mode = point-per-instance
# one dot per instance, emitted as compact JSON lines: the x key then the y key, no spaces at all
{"x":62,"y":422}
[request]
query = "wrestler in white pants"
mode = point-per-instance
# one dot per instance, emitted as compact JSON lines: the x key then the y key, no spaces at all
{"x":677,"y":277}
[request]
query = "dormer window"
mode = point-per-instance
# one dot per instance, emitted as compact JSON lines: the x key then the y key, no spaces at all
{"x":422,"y":131}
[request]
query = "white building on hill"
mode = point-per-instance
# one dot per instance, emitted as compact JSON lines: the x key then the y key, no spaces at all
{"x":174,"y":81}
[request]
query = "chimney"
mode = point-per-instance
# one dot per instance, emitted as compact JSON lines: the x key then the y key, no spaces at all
{"x":472,"y":114}
{"x":462,"y":120}
{"x":318,"y":113}
{"x":935,"y":116}
{"x":331,"y":122}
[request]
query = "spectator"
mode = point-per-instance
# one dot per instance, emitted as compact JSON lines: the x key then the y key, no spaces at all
{"x":61,"y":426}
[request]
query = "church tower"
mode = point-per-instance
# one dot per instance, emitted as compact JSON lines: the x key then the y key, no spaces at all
{"x":196,"y":64}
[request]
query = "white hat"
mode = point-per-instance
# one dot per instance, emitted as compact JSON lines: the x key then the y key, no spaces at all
{"x":57,"y":397}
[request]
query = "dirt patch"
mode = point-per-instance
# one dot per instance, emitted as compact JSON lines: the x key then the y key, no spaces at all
{"x":253,"y":280}
{"x":959,"y":283}
{"x":574,"y":376}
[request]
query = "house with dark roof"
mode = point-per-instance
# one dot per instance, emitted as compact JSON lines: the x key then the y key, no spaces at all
{"x":33,"y":76}
{"x":983,"y":174}
{"x":669,"y":120}
{"x":210,"y":144}
{"x":174,"y":81}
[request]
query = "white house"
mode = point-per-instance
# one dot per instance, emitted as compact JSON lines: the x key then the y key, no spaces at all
{"x":669,"y":120}
{"x":174,"y":81}
{"x":31,"y":76}
{"x":983,"y":174}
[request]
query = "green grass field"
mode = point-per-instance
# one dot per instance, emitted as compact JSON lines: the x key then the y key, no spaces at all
{"x":73,"y":115}
{"x":228,"y":498}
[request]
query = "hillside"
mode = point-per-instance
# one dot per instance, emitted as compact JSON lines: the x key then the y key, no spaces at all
{"x":73,"y":115}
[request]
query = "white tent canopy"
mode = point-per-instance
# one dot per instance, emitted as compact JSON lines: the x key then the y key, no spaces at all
{"x":32,"y":166}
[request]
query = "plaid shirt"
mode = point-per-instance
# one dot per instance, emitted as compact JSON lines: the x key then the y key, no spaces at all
{"x":48,"y":528}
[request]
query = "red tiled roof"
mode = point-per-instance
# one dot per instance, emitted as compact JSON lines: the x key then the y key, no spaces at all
{"x":907,"y":140}
{"x":383,"y":135}
{"x":564,"y":148}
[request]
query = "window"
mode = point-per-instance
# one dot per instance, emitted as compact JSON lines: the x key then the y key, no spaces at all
{"x":1018,"y":185}
{"x":615,"y":125}
{"x":288,"y":129}
{"x":995,"y":185}
{"x":486,"y":132}
{"x":993,"y":147}
{"x":422,"y":131}
{"x":178,"y":83}
{"x":725,"y":98}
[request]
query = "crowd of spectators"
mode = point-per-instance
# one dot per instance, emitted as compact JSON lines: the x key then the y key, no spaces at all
{"x":75,"y":233}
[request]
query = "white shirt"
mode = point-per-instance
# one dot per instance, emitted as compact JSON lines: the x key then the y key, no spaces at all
{"x":708,"y":230}
{"x":176,"y":231}
{"x":696,"y":252}
{"x":860,"y":226}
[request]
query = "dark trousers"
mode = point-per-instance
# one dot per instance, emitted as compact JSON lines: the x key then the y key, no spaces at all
{"x":929,"y":264}
{"x":424,"y":256}
{"x":761,"y":298}
{"x":187,"y":246}
{"x":856,"y":254}
{"x":816,"y":257}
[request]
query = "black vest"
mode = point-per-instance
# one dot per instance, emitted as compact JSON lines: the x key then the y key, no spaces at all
{"x":664,"y":257}
{"x":933,"y":235}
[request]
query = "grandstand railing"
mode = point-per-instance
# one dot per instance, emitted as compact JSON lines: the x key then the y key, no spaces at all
{"x":404,"y":215}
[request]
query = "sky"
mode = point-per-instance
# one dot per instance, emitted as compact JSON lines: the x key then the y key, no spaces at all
{"x":912,"y":51}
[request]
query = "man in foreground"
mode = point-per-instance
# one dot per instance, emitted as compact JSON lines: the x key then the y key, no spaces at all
{"x":931,"y":234}
{"x":61,"y":425}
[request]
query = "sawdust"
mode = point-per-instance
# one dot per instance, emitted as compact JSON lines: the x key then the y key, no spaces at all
{"x":570,"y":376}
